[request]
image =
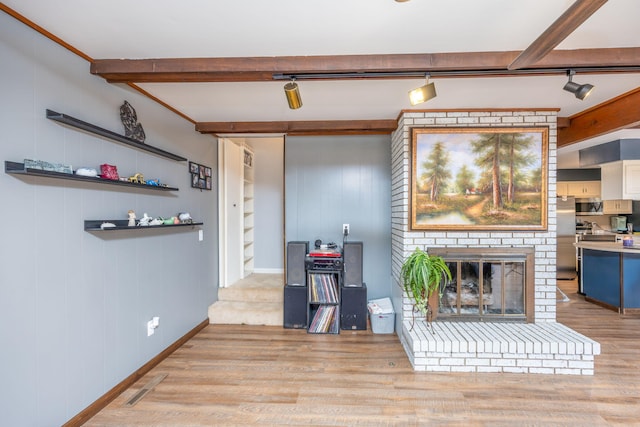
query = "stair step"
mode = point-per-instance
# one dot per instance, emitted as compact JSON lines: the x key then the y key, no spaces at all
{"x":246,"y":313}
{"x":252,"y":293}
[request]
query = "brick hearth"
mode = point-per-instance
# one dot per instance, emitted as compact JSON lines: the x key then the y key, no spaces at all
{"x":544,"y":348}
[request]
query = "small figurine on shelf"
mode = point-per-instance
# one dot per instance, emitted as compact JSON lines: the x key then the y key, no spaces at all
{"x":137,"y":179}
{"x":156,"y":221}
{"x":132,"y":218}
{"x":154,"y":182}
{"x":144,"y":221}
{"x":185,"y":218}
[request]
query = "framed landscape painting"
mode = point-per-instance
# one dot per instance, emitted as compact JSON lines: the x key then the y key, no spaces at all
{"x":490,"y":178}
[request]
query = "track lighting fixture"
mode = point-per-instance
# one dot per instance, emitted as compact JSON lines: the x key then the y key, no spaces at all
{"x":293,"y":95}
{"x":423,"y":93}
{"x":580,"y":91}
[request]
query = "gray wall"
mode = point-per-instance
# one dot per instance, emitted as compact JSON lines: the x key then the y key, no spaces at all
{"x":73,"y":304}
{"x":330,"y":181}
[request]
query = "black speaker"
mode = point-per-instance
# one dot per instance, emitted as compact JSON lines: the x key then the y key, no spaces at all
{"x":295,"y":307}
{"x":352,"y":259}
{"x":353,"y":308}
{"x":296,"y":275}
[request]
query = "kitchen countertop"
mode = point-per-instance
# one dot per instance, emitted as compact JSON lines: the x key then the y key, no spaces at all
{"x":608,"y":246}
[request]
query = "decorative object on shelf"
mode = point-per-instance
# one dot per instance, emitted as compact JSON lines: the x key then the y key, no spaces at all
{"x":185,"y":218}
{"x":132,"y":129}
{"x":109,"y":172}
{"x":46,"y":166}
{"x":107,"y":225}
{"x":200,"y":176}
{"x":504,"y":168}
{"x":138,"y":178}
{"x":90,"y":172}
{"x":422,"y":277}
{"x":248,"y":158}
{"x":155,"y":182}
{"x":145,"y":220}
{"x":132,"y":218}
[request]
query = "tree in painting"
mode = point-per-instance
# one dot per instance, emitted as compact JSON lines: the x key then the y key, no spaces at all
{"x":516,"y":157}
{"x":494,"y":150}
{"x":436,"y":174}
{"x":464,"y":180}
{"x":487,"y":150}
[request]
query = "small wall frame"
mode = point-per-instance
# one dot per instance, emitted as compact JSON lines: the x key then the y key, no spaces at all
{"x":200,"y":176}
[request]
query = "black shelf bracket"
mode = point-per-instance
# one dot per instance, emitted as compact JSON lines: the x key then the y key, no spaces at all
{"x":16,"y":168}
{"x":121,"y":224}
{"x":79,"y":124}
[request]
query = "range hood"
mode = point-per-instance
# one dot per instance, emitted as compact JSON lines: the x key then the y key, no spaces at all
{"x":620,"y":149}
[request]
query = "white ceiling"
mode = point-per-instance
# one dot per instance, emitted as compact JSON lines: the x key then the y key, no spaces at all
{"x":245,"y":28}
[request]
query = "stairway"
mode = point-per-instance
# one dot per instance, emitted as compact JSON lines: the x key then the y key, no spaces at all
{"x":254,"y":300}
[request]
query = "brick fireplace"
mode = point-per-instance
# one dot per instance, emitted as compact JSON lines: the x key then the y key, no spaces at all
{"x":482,"y":344}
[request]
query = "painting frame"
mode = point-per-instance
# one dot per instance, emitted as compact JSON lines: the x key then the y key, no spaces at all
{"x":458,"y":195}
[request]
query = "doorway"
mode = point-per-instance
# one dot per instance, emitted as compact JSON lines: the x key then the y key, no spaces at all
{"x":251,"y":207}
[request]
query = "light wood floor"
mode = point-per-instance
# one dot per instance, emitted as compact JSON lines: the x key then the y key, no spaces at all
{"x":264,"y":375}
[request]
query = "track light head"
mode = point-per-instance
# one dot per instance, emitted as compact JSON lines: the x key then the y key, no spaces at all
{"x":580,"y":91}
{"x":423,"y":93}
{"x":293,"y":95}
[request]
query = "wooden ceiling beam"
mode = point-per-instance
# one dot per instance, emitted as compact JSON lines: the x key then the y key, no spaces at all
{"x":324,"y":127}
{"x":622,"y":112}
{"x":246,"y":69}
{"x":571,"y":19}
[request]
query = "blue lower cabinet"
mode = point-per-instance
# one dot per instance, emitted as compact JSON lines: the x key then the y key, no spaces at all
{"x":601,"y":276}
{"x":631,"y":280}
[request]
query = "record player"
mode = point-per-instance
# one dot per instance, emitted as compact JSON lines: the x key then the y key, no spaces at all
{"x":324,"y":259}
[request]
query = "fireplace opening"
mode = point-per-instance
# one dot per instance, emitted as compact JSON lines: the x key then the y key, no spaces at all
{"x":488,"y":284}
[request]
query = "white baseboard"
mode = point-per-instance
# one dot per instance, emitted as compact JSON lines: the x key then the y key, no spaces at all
{"x":268,"y":270}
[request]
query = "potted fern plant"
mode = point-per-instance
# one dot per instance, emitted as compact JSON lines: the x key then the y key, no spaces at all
{"x":422,"y":275}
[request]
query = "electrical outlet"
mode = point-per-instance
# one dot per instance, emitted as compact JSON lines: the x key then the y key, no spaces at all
{"x":152,"y":325}
{"x":345,"y":229}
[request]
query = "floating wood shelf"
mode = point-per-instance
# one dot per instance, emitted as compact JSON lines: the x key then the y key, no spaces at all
{"x":79,"y":124}
{"x":121,"y":224}
{"x":16,"y":168}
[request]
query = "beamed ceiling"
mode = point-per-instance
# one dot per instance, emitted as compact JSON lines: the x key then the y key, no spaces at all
{"x":223,"y":65}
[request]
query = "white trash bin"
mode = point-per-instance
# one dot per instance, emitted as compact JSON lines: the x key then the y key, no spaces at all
{"x":382,"y":316}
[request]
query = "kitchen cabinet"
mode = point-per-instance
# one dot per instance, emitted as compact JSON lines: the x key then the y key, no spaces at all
{"x":621,"y":180}
{"x":579,"y":189}
{"x":610,"y":275}
{"x":618,"y":206}
{"x":562,"y":189}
